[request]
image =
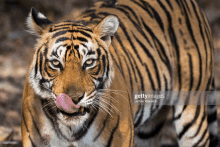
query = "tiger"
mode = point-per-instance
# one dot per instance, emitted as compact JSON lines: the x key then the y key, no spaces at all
{"x":79,"y":89}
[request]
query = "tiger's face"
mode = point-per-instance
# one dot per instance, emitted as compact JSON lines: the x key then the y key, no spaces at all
{"x":71,"y":60}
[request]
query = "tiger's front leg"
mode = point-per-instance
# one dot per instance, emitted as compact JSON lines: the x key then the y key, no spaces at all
{"x":191,"y":125}
{"x":123,"y":132}
{"x":25,"y":136}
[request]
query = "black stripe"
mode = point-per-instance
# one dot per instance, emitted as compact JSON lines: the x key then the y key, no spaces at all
{"x":155,"y":14}
{"x":161,"y":52}
{"x":112,"y":133}
{"x":191,"y":72}
{"x":166,"y":84}
{"x":32,"y":143}
{"x":139,"y":73}
{"x":25,"y":121}
{"x":201,"y":122}
{"x":81,"y":39}
{"x":79,"y":31}
{"x":208,"y":86}
{"x":84,"y":45}
{"x":54,"y":52}
{"x":51,"y":68}
{"x":133,"y":47}
{"x":59,"y":33}
{"x":140,"y":117}
{"x":187,"y":100}
{"x":197,"y":47}
{"x":45,"y":64}
{"x":36,"y":65}
{"x":144,"y":8}
{"x":103,"y":126}
{"x":35,"y":125}
{"x":62,"y":39}
{"x":71,"y":49}
{"x":136,"y":114}
{"x":201,"y":139}
{"x":98,"y":53}
{"x":201,"y":32}
{"x":78,"y":24}
{"x":211,"y":145}
{"x":151,"y":109}
{"x":119,"y":65}
{"x":129,"y":74}
{"x":98,"y":70}
{"x":209,"y":38}
{"x":212,"y":116}
{"x":131,"y":10}
{"x":139,"y":29}
{"x":174,"y":41}
{"x":184,"y":3}
{"x":87,"y":124}
{"x":51,"y":114}
{"x":56,"y":26}
{"x":107,"y":69}
{"x":132,"y":66}
{"x":162,"y":49}
{"x":127,"y":55}
{"x":150,"y":77}
{"x":154,"y":64}
{"x":188,"y":125}
{"x":65,"y":55}
{"x":168,"y":2}
{"x":67,"y":21}
{"x":41,"y":64}
{"x":90,"y":52}
{"x":178,"y":117}
{"x":84,"y":29}
{"x":60,"y":29}
{"x":117,"y":37}
{"x":146,"y":135}
{"x":180,"y":6}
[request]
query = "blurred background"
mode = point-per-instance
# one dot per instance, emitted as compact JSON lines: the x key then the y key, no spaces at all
{"x":16,"y":51}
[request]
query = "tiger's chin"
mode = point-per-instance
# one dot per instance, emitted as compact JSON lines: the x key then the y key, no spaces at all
{"x":75,"y":119}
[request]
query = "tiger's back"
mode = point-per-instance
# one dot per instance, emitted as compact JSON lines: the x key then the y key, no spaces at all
{"x":163,"y":39}
{"x":162,"y":46}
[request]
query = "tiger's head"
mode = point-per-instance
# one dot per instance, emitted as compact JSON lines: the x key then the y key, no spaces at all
{"x":71,"y":60}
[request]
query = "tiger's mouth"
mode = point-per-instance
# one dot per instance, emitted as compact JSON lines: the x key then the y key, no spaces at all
{"x":67,"y":106}
{"x":80,"y":112}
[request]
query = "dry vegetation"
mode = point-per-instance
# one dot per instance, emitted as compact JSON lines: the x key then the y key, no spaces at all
{"x":16,"y":50}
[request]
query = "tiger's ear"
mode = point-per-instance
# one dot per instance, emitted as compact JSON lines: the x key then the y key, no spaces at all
{"x":107,"y":28}
{"x":37,"y":23}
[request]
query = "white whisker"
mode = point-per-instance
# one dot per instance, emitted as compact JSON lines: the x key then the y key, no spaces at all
{"x":111,"y":90}
{"x":110,"y":104}
{"x":115,"y":92}
{"x":108,"y":96}
{"x":105,"y":108}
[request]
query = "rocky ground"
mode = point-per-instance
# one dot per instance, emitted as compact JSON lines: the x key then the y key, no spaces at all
{"x":16,"y":50}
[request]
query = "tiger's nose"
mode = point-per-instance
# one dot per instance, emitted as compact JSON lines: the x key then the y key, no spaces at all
{"x":77,"y":99}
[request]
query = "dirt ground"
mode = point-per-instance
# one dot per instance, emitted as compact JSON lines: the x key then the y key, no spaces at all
{"x":16,"y":49}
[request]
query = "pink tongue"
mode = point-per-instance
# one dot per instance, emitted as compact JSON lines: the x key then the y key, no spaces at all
{"x":65,"y":103}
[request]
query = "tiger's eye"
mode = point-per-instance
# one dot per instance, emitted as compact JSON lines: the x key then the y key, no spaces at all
{"x":89,"y":62}
{"x":55,"y":62}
